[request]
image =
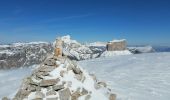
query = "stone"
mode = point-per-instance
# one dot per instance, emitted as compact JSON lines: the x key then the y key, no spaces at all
{"x":46,"y":69}
{"x":79,"y":77}
{"x":112,"y":97}
{"x":55,"y":98}
{"x":84,"y":91}
{"x":50,"y":82}
{"x":5,"y":98}
{"x":94,"y":77}
{"x":38,"y":88}
{"x":102,"y":83}
{"x":76,"y":70}
{"x":51,"y":92}
{"x":58,"y":52}
{"x":22,"y":94}
{"x":62,"y":73}
{"x":39,"y":95}
{"x":70,"y":67}
{"x":58,"y":87}
{"x":97,"y":86}
{"x":83,"y":79}
{"x":58,"y":47}
{"x":38,"y":99}
{"x":87,"y":97}
{"x":116,"y":45}
{"x":32,"y":88}
{"x":50,"y":62}
{"x":75,"y":95}
{"x":64,"y":94}
{"x":34,"y":83}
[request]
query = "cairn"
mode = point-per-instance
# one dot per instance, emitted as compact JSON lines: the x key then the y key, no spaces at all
{"x":59,"y":78}
{"x":58,"y":48}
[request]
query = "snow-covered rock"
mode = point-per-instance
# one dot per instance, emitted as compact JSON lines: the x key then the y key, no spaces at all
{"x":23,"y":54}
{"x":97,"y":44}
{"x":115,"y":53}
{"x":144,"y":49}
{"x":76,"y":50}
{"x":63,"y":81}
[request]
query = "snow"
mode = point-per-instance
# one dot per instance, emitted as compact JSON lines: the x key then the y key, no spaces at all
{"x":144,"y":49}
{"x":96,"y":44}
{"x":134,"y":77}
{"x":67,"y":39}
{"x":29,"y":43}
{"x":6,"y":52}
{"x":10,"y":80}
{"x":115,"y":53}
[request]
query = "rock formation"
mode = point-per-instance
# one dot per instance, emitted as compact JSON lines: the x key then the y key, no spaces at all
{"x":58,"y":51}
{"x":23,"y":54}
{"x":59,"y":78}
{"x":116,"y":45}
{"x":77,"y":51}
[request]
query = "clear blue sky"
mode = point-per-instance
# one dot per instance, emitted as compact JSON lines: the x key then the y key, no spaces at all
{"x":138,"y":21}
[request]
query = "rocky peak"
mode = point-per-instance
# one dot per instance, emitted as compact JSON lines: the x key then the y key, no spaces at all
{"x":59,"y":78}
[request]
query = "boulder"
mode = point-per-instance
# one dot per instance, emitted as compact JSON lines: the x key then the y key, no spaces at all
{"x":58,"y":87}
{"x":39,"y":95}
{"x":55,"y":98}
{"x":87,"y":97}
{"x":51,"y":92}
{"x":5,"y":98}
{"x":112,"y":97}
{"x":116,"y":45}
{"x":65,"y":94}
{"x":50,"y":62}
{"x":46,"y":68}
{"x":50,"y":82}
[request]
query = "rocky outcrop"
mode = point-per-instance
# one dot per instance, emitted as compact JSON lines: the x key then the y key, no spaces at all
{"x":23,"y":54}
{"x":116,"y":45}
{"x":141,"y":49}
{"x":26,"y":54}
{"x":77,"y":51}
{"x":47,"y":82}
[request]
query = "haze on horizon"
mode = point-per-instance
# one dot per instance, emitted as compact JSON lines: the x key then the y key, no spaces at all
{"x":138,"y":21}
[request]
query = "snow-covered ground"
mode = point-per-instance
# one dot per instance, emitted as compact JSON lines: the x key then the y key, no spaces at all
{"x":10,"y":80}
{"x":134,"y":77}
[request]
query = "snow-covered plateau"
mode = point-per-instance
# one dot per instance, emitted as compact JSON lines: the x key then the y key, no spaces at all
{"x":134,"y":77}
{"x":131,"y":77}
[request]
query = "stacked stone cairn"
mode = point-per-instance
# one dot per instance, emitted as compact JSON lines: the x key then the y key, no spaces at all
{"x":59,"y":78}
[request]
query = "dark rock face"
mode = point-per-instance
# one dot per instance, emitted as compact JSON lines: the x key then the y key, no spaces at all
{"x":23,"y":54}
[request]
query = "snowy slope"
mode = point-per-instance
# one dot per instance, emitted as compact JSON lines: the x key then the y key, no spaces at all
{"x":134,"y":77}
{"x":10,"y":80}
{"x":115,"y":53}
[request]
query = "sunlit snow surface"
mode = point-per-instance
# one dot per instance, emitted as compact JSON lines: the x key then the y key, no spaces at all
{"x":134,"y":77}
{"x":10,"y":80}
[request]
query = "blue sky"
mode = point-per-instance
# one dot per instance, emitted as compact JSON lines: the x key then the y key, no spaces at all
{"x":138,"y":21}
